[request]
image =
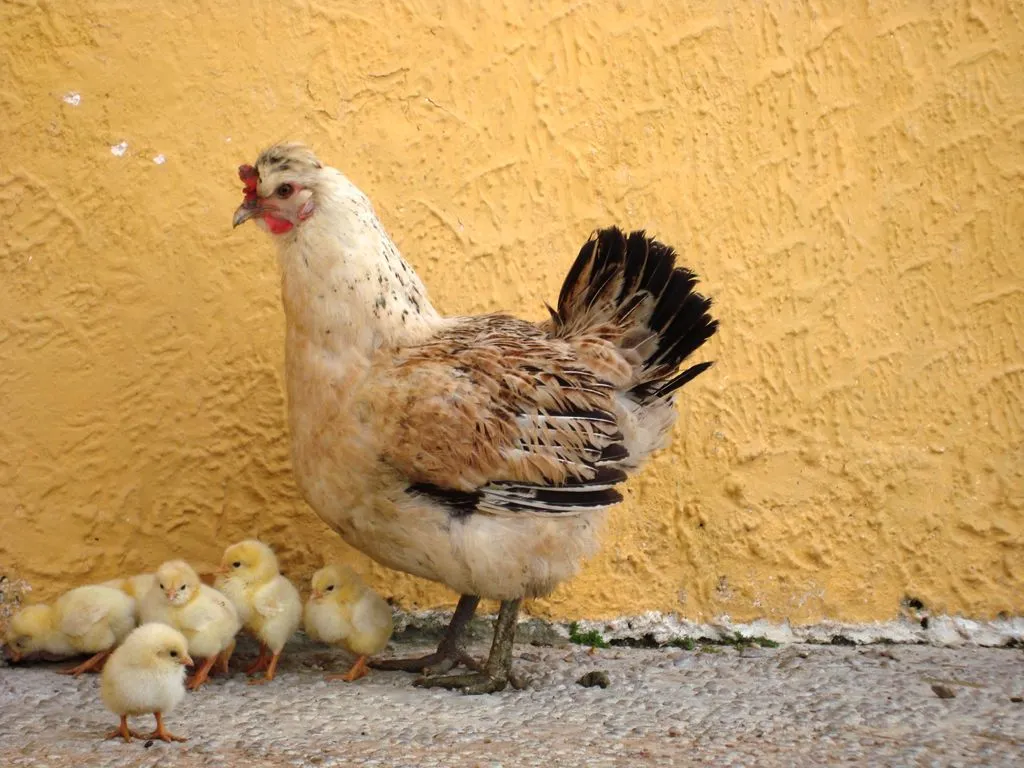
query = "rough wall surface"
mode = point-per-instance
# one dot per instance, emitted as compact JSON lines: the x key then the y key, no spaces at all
{"x":846,"y":177}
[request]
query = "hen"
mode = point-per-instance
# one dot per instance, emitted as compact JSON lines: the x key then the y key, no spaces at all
{"x":480,"y":452}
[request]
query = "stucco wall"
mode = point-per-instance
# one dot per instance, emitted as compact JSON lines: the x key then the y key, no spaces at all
{"x":846,"y":178}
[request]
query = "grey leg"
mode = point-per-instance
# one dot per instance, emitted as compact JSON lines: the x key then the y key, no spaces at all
{"x":450,"y":652}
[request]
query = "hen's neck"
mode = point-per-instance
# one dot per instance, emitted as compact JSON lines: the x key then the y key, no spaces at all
{"x":344,"y":284}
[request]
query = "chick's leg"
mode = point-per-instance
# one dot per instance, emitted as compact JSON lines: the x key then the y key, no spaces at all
{"x":202,"y":674}
{"x":261,"y":661}
{"x":224,"y":659}
{"x":93,"y":664}
{"x":450,"y":652}
{"x":123,"y":731}
{"x":161,"y":731}
{"x":357,"y":671}
{"x":271,"y":671}
{"x":498,"y":670}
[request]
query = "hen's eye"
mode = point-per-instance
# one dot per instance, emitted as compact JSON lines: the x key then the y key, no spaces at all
{"x":174,"y":654}
{"x":236,"y":564}
{"x":330,"y":588}
{"x":284,"y":190}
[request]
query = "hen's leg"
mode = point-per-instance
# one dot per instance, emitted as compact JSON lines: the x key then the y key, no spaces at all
{"x":93,"y":664}
{"x":357,"y":671}
{"x":497,"y":671}
{"x":450,"y":652}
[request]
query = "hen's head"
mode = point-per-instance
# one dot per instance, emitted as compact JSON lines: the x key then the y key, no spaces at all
{"x":280,"y":189}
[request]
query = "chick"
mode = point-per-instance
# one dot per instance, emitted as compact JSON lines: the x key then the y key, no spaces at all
{"x":205,"y":617}
{"x":343,"y":610}
{"x":136,"y":587}
{"x":268,"y":604}
{"x":146,"y":675}
{"x":92,"y":619}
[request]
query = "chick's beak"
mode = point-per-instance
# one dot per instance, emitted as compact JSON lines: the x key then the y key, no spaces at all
{"x":222,"y":570}
{"x":187,"y":661}
{"x":12,"y":655}
{"x":317,"y":594}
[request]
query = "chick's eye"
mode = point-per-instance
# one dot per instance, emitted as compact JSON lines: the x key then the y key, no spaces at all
{"x":162,"y":587}
{"x":174,"y":654}
{"x":236,"y":564}
{"x":330,"y":588}
{"x":284,"y":191}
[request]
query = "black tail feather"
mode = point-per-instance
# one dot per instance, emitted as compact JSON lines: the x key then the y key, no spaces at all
{"x":645,"y":274}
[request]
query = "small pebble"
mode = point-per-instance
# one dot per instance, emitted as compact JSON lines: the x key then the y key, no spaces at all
{"x":1017,"y":699}
{"x":673,"y":732}
{"x":595,"y":678}
{"x":943,"y":691}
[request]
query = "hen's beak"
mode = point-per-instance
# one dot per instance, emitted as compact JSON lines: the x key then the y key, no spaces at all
{"x":245,"y":212}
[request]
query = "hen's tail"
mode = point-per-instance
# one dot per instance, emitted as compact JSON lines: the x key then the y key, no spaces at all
{"x":629,"y":290}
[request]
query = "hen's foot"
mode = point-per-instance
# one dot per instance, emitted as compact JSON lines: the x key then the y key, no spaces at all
{"x":473,"y":683}
{"x":497,"y":673}
{"x":449,"y":653}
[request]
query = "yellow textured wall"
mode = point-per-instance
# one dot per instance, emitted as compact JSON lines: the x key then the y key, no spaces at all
{"x":846,"y":177}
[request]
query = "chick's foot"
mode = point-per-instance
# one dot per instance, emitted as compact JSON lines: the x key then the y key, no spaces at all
{"x":124,"y":732}
{"x":201,"y":675}
{"x":92,"y":664}
{"x":357,"y":671}
{"x":450,"y":652}
{"x":161,"y":731}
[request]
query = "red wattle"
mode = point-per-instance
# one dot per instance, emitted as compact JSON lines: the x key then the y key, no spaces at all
{"x":277,"y":226}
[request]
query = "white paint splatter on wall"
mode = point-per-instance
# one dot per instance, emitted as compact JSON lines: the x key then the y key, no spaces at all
{"x":159,"y":159}
{"x":74,"y":99}
{"x":118,"y":150}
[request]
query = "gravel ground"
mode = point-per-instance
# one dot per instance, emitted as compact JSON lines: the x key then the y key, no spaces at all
{"x":796,"y":705}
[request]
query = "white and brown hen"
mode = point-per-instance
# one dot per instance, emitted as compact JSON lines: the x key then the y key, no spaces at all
{"x":480,"y":452}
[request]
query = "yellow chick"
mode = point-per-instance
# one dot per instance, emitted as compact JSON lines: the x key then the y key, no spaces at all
{"x":268,"y":604}
{"x":343,"y":610}
{"x":206,"y":618}
{"x":146,"y":675}
{"x":136,"y":587}
{"x":91,"y":619}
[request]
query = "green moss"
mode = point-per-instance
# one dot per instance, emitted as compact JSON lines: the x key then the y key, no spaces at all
{"x":592,"y":638}
{"x":686,"y":643}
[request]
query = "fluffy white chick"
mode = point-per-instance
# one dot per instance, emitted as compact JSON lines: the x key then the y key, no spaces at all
{"x":206,"y":618}
{"x":93,"y":619}
{"x":136,"y":587}
{"x":343,"y":610}
{"x":269,"y":604}
{"x":146,"y":675}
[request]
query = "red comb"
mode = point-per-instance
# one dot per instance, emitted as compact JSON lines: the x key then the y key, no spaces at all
{"x":250,"y":177}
